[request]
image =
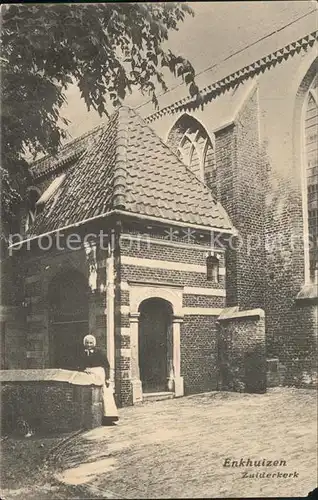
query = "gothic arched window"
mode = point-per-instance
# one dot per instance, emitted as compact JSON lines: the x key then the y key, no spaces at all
{"x":189,"y":139}
{"x":311,"y":156}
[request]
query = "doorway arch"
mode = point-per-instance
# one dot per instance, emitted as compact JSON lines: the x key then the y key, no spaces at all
{"x":68,"y":300}
{"x":155,"y":344}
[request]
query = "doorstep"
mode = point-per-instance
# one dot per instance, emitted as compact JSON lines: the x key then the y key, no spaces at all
{"x":156,"y":396}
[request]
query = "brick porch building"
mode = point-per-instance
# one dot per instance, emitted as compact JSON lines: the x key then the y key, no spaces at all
{"x":144,"y":277}
{"x":204,"y":266}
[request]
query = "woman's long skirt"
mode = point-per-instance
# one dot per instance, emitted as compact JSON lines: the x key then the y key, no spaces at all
{"x":109,"y":405}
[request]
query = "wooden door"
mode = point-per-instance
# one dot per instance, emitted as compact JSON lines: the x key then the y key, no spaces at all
{"x":153,"y":330}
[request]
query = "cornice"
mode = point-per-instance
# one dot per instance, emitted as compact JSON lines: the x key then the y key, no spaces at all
{"x":230,"y":81}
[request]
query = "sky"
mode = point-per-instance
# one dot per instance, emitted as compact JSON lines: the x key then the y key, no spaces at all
{"x":217,"y":30}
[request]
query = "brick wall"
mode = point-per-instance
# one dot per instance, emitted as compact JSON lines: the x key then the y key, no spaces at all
{"x":191,"y":300}
{"x":225,"y":145}
{"x":275,"y":373}
{"x":242,"y":353}
{"x":150,"y":249}
{"x":30,"y":333}
{"x":177,"y":277}
{"x":50,"y":406}
{"x":13,"y":341}
{"x":240,"y":190}
{"x":199,"y":362}
{"x":291,"y":324}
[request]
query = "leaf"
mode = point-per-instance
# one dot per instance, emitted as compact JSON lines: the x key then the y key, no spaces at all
{"x":101,"y":109}
{"x":105,"y":49}
{"x":193,"y":89}
{"x":188,"y":78}
{"x":155,"y":100}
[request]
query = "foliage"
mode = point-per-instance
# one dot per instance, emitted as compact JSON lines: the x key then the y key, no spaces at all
{"x":107,"y":49}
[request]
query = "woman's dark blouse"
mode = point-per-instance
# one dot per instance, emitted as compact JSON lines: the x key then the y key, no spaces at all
{"x":96,"y":358}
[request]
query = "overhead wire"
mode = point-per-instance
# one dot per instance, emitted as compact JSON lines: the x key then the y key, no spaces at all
{"x":232,"y":55}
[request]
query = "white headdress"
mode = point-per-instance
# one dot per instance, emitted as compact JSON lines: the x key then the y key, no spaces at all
{"x":89,"y":337}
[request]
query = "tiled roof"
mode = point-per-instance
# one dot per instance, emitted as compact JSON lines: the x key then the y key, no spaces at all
{"x":129,"y":168}
{"x":66,"y":156}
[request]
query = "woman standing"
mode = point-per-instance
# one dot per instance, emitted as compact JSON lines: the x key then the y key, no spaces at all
{"x":94,"y":362}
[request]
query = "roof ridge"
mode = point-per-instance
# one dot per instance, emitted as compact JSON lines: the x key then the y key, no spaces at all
{"x":69,"y":143}
{"x":103,"y":127}
{"x":186,"y":167}
{"x":120,"y":172}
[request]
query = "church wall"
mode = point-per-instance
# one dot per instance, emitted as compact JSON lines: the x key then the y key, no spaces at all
{"x":290,"y":324}
{"x":245,"y":173}
{"x":249,"y":200}
{"x":240,"y":189}
{"x":239,"y":186}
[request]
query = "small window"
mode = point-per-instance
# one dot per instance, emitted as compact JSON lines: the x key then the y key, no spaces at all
{"x":212,"y":268}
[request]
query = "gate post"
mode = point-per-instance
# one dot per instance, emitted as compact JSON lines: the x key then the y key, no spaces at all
{"x":178,"y":380}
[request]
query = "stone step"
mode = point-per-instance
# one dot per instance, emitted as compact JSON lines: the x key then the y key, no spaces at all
{"x":156,"y":396}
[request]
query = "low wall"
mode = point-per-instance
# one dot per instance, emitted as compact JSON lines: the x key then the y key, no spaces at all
{"x":49,"y":401}
{"x":242,"y":352}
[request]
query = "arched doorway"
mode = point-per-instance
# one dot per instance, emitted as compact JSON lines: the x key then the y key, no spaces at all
{"x":154,"y":338}
{"x":68,"y":297}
